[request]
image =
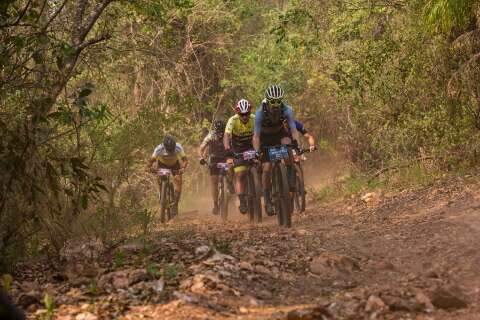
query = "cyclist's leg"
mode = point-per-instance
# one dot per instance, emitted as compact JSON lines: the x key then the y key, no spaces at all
{"x":214,"y":178}
{"x":230,"y":181}
{"x":177,"y":186}
{"x":214,"y":189}
{"x":268,"y":140}
{"x":289,"y":162}
{"x":240,"y":186}
{"x":266,"y":180}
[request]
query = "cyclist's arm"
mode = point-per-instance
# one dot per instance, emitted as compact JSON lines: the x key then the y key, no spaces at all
{"x":227,"y":136}
{"x":304,"y":132}
{"x":202,"y":151}
{"x":256,"y":142}
{"x":291,"y":124}
{"x":257,"y":129}
{"x":150,"y":163}
{"x":184,"y":162}
{"x":181,"y":156}
{"x":203,"y":147}
{"x":310,"y":139}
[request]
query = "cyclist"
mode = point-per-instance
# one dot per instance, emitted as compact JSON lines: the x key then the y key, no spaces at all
{"x":303,"y":131}
{"x":170,"y":155}
{"x":270,"y":131}
{"x":213,"y":146}
{"x":238,"y":139}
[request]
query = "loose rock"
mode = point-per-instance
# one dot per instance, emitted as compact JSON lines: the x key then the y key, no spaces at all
{"x":317,"y":313}
{"x":375,"y":304}
{"x":450,"y":297}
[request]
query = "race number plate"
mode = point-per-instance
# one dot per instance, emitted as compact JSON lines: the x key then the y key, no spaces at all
{"x":278,"y":153}
{"x":222,"y":165}
{"x":164,"y":172}
{"x":249,"y":155}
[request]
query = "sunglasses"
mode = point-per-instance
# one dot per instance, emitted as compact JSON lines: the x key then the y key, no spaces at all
{"x":274,"y":102}
{"x":245,"y":115}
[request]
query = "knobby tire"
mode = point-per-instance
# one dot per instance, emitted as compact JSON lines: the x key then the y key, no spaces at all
{"x":170,"y":199}
{"x":300,"y":199}
{"x":223,"y":197}
{"x":256,"y":195}
{"x":282,"y":195}
{"x":163,"y":201}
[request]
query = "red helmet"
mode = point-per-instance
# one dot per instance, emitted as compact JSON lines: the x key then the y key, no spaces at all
{"x":243,"y":107}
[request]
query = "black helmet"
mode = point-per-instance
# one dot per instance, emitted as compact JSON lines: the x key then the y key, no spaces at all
{"x":169,"y":143}
{"x":219,"y":126}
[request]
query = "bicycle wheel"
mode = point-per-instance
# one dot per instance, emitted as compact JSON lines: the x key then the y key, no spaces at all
{"x":299,"y":196}
{"x":256,"y":195}
{"x":250,"y":198}
{"x":163,"y":198}
{"x":282,"y":192}
{"x":223,"y":197}
{"x":275,"y":195}
{"x":170,"y":199}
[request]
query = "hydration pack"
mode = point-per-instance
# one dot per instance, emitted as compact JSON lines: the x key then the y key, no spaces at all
{"x":273,"y":119}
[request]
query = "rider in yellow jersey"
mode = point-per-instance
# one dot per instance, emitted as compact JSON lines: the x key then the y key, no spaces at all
{"x":238,"y":138}
{"x":170,"y":155}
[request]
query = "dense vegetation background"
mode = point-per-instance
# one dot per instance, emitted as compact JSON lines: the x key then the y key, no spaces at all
{"x":89,"y":87}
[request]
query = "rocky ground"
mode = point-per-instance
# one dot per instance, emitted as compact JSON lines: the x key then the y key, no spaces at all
{"x":405,"y":255}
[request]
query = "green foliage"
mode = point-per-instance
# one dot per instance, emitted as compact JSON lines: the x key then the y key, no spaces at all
{"x":49,"y":304}
{"x":170,"y":271}
{"x":145,"y":217}
{"x":6,"y":282}
{"x":445,"y":15}
{"x":223,"y":246}
{"x":92,"y":288}
{"x":119,"y":258}
{"x":154,"y":270}
{"x":79,"y":120}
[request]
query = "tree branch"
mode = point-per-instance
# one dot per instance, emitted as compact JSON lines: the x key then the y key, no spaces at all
{"x":93,"y":41}
{"x":22,"y":14}
{"x":92,"y":19}
{"x":41,"y":11}
{"x":78,"y":21}
{"x":54,"y":15}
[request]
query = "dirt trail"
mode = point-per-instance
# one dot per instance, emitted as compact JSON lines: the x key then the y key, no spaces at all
{"x":411,"y":255}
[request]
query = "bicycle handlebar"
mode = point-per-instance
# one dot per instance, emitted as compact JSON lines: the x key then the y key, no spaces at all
{"x":302,"y":151}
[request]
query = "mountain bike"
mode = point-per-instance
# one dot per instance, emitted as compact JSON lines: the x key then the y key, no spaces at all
{"x":299,"y":193}
{"x":223,"y":194}
{"x":224,"y":187}
{"x":254,"y":190}
{"x":280,"y":186}
{"x":166,"y":194}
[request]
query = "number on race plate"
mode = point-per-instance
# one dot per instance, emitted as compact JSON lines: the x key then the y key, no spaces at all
{"x":249,"y":155}
{"x":222,"y":165}
{"x":278,"y":153}
{"x":164,"y":172}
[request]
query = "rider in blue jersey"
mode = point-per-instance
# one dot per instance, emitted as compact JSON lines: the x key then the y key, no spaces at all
{"x":270,"y":131}
{"x":304,"y":132}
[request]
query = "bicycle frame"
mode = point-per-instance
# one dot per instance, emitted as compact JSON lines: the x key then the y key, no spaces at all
{"x":253,"y":185}
{"x":165,"y":193}
{"x":280,"y":157}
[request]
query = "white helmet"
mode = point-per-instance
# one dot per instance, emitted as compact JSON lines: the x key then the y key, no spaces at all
{"x":243,"y":107}
{"x":274,"y":92}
